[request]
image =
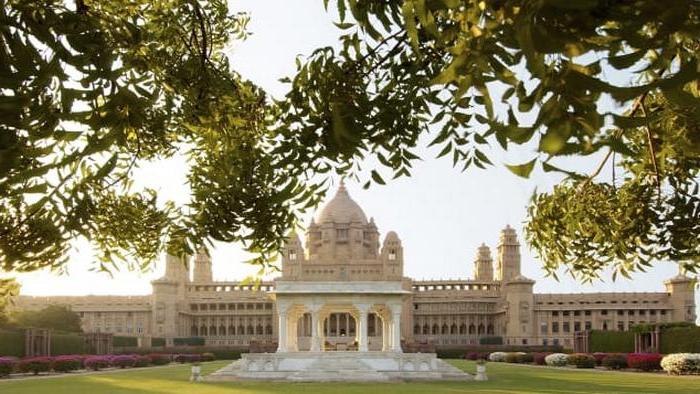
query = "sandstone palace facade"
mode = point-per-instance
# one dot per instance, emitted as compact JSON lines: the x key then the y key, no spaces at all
{"x":342,"y":245}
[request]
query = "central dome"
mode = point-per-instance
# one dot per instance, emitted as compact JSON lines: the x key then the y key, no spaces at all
{"x":341,"y":209}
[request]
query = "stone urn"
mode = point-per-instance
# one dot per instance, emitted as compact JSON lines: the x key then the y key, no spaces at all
{"x":196,"y":375}
{"x":481,"y":372}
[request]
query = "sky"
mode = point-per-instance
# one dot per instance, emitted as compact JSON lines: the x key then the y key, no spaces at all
{"x":441,"y":214}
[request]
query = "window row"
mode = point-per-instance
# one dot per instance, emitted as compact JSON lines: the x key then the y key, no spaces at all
{"x":248,"y":306}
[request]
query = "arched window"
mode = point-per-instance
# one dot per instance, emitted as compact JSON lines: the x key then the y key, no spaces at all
{"x":462,"y":328}
{"x":416,"y":329}
{"x":472,"y":329}
{"x":212,"y":331}
{"x":268,"y":329}
{"x":259,"y":329}
{"x":249,"y":330}
{"x":481,"y":329}
{"x":194,"y":331}
{"x":203,"y":331}
{"x":489,"y":329}
{"x":222,"y":330}
{"x":453,"y":329}
{"x":426,"y":329}
{"x":241,"y":330}
{"x":444,"y":329}
{"x":436,"y":329}
{"x":231,"y":330}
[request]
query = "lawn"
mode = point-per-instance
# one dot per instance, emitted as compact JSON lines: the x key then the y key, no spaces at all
{"x":505,"y":378}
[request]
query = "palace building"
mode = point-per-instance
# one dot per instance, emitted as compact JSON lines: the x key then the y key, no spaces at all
{"x":344,"y":287}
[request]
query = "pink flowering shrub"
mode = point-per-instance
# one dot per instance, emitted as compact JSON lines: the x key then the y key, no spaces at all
{"x":187,"y":358}
{"x":644,"y":361}
{"x":538,"y":358}
{"x":123,"y":361}
{"x":7,"y":365}
{"x":142,"y":361}
{"x":67,"y":363}
{"x":599,"y":356}
{"x":159,"y":358}
{"x":35,"y":364}
{"x":97,"y":362}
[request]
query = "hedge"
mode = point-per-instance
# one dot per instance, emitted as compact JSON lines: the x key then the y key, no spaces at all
{"x":680,"y":340}
{"x":220,"y":353}
{"x":67,"y":344}
{"x":156,"y":342}
{"x":611,"y":341}
{"x":491,"y":340}
{"x":189,"y":341}
{"x":12,"y":342}
{"x":124,"y":341}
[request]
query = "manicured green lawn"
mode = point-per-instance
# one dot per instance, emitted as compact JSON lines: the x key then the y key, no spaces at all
{"x":504,"y":379}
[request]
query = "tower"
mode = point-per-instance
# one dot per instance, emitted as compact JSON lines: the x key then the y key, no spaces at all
{"x":392,"y":255}
{"x":202,"y":267}
{"x":169,"y":298}
{"x":483,"y":264}
{"x":508,"y":255}
{"x":292,"y":255}
{"x":681,"y":291}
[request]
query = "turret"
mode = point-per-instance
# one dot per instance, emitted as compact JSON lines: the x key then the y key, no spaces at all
{"x":168,"y":299}
{"x":483,"y":264}
{"x":177,"y":268}
{"x":508,"y":255}
{"x":392,"y":255}
{"x":292,"y":254}
{"x":202,"y":267}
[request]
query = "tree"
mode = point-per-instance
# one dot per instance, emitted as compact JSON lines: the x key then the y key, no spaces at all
{"x":90,"y":90}
{"x":470,"y":74}
{"x":55,"y":317}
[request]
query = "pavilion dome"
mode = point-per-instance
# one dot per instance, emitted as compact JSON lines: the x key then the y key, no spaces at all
{"x":341,"y":209}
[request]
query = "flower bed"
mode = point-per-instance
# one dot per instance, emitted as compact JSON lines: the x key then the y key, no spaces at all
{"x":67,"y":363}
{"x":538,"y":358}
{"x":556,"y":359}
{"x":142,"y":361}
{"x":497,"y":357}
{"x":615,"y":361}
{"x":123,"y":361}
{"x":644,"y":361}
{"x":187,"y":358}
{"x":35,"y":365}
{"x":581,"y":360}
{"x":7,"y":365}
{"x":681,"y":363}
{"x":97,"y":362}
{"x":159,"y":358}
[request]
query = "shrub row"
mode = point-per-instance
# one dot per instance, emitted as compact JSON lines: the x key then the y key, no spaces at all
{"x":640,"y":361}
{"x":68,"y":363}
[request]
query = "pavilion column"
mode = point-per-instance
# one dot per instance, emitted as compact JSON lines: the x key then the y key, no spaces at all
{"x":282,"y":327}
{"x":316,"y":326}
{"x":386,"y":334}
{"x":362,"y":310}
{"x":396,"y":328}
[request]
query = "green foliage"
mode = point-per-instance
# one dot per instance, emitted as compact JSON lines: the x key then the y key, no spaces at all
{"x":189,"y":341}
{"x":157,"y":342}
{"x":67,"y":344}
{"x":124,"y":341}
{"x":93,"y":89}
{"x":491,"y":340}
{"x":581,"y":360}
{"x":8,"y":289}
{"x":12,"y":342}
{"x":56,"y":317}
{"x":611,"y":341}
{"x":614,"y":361}
{"x":680,"y":340}
{"x":467,"y":72}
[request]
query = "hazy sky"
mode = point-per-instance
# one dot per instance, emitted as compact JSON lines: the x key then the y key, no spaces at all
{"x":440,"y":214}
